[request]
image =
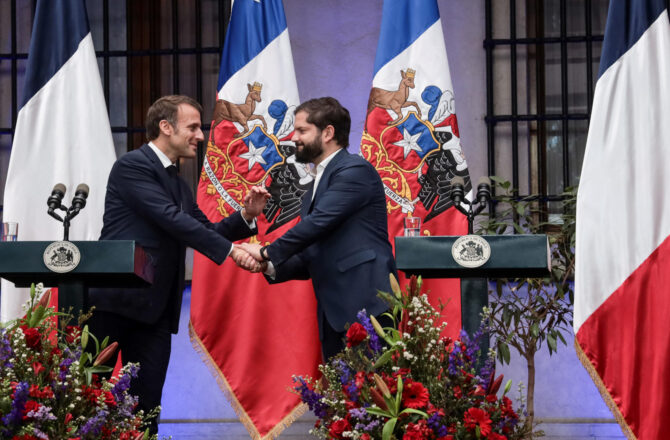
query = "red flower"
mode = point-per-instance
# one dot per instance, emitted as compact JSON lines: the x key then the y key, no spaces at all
{"x":24,"y":437}
{"x":110,"y":401}
{"x":32,"y":335}
{"x":338,"y":427}
{"x":507,"y":408}
{"x":72,"y":333}
{"x":496,"y":436}
{"x":31,"y":405}
{"x":38,"y":368}
{"x":356,"y":334}
{"x":45,"y":393}
{"x":68,"y":418}
{"x":414,"y":395}
{"x":458,"y":393}
{"x":365,"y":436}
{"x":478,"y":417}
{"x":417,"y":431}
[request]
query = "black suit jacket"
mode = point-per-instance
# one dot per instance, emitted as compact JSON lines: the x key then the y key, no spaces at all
{"x":143,"y":203}
{"x":341,"y":242}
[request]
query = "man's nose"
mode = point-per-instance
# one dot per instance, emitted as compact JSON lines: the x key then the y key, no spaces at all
{"x":200,"y":136}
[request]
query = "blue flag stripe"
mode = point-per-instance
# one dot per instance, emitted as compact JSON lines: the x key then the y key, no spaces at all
{"x":253,"y":25}
{"x":59,"y":27}
{"x":626,"y":22}
{"x":403,"y":21}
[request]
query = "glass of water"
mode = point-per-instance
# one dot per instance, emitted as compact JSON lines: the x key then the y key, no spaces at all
{"x":412,"y":226}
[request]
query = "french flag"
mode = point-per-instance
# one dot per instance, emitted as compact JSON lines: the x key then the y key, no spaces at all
{"x":62,"y":134}
{"x":622,"y":277}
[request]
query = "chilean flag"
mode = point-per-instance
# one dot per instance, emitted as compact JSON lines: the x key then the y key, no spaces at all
{"x":62,"y":134}
{"x":411,"y":133}
{"x":622,"y":277}
{"x":252,"y":335}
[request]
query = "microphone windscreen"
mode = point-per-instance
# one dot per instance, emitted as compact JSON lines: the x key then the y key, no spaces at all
{"x":59,"y":187}
{"x":484,"y":181}
{"x":83,"y":189}
{"x":457,"y":181}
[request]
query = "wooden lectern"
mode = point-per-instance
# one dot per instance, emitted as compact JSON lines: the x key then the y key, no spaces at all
{"x":113,"y":263}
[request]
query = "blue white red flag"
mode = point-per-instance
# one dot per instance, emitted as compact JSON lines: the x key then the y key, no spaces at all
{"x":411,"y":134}
{"x":62,"y":133}
{"x":254,"y":336}
{"x":623,"y":222}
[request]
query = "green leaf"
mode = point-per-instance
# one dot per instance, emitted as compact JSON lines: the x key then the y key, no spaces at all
{"x":414,"y":411}
{"x":387,"y":432}
{"x":378,"y":412}
{"x":384,"y":358}
{"x":535,"y":329}
{"x":504,"y":352}
{"x":551,"y":341}
{"x":104,"y":343}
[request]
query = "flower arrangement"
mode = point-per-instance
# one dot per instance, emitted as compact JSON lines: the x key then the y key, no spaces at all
{"x":409,"y":382}
{"x":49,"y":384}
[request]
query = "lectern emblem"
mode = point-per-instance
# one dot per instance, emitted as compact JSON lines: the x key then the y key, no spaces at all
{"x":61,"y":256}
{"x":471,"y":251}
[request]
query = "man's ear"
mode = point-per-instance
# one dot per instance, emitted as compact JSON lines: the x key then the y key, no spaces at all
{"x":328,"y":134}
{"x":165,"y":127}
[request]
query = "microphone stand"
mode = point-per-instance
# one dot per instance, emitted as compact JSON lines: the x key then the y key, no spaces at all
{"x":458,"y":196}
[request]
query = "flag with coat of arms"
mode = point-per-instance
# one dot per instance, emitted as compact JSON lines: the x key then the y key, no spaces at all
{"x":255,"y":336}
{"x":411,"y":133}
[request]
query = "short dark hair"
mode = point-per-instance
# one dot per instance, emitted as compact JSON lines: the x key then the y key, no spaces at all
{"x":166,"y":108}
{"x":326,"y":111}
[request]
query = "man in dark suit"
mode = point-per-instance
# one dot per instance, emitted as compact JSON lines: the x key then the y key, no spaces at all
{"x":147,"y":202}
{"x":341,"y":242}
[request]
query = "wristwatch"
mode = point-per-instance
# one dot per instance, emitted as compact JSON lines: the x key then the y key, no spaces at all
{"x":264,"y":253}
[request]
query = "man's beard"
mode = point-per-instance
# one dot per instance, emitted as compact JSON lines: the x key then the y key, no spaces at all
{"x":309,"y":151}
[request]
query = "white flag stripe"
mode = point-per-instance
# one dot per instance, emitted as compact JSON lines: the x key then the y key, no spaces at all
{"x":623,"y":219}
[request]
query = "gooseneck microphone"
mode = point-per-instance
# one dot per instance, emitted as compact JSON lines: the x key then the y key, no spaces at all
{"x":55,"y":200}
{"x":80,"y":196}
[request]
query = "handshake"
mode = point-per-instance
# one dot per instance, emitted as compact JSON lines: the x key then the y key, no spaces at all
{"x":247,"y":255}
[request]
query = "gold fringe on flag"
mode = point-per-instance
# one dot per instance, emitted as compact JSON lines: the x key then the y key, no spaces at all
{"x":227,"y":390}
{"x":607,"y":397}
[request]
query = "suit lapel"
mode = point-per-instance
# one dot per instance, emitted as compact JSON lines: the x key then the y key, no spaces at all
{"x":172,"y":188}
{"x":340,"y":155}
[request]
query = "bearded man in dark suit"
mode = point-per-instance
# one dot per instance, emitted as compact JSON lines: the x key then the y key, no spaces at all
{"x":341,"y":242}
{"x":148,"y":202}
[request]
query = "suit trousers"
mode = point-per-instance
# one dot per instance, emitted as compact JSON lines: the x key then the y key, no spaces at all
{"x":146,"y":344}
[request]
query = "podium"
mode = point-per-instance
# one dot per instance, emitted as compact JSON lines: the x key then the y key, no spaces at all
{"x":111,"y":263}
{"x":512,"y":256}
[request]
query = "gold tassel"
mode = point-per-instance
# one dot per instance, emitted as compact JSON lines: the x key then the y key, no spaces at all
{"x":227,"y":390}
{"x":616,"y":412}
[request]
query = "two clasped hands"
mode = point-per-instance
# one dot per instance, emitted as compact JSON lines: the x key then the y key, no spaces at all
{"x":247,"y":255}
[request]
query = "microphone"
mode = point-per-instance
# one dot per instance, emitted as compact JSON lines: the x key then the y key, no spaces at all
{"x":56,"y":197}
{"x":80,"y":196}
{"x":484,"y":190}
{"x":457,"y":190}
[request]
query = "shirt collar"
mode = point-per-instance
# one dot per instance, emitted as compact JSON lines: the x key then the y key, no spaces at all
{"x":324,"y":163}
{"x":165,"y":161}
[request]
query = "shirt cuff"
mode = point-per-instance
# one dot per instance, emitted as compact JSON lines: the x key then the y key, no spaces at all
{"x":270,"y":270}
{"x":251,"y":224}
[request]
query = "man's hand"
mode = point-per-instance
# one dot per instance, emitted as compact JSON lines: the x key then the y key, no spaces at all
{"x":244,"y":260}
{"x":253,"y":250}
{"x":254,"y":202}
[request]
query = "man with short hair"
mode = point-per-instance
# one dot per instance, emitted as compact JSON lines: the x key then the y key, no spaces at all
{"x":147,"y":202}
{"x":341,"y":242}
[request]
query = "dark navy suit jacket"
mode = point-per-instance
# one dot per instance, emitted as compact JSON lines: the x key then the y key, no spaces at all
{"x":341,"y":242}
{"x":143,"y":203}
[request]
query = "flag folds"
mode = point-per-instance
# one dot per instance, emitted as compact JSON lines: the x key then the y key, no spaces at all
{"x":62,"y":133}
{"x":411,"y":133}
{"x":255,"y":336}
{"x":623,"y":221}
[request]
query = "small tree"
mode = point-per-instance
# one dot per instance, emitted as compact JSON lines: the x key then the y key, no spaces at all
{"x":526,"y":313}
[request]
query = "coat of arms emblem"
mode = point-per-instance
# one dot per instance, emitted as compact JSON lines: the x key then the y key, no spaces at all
{"x":61,"y":256}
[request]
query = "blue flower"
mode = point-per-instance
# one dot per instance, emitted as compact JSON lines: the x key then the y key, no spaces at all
{"x":374,"y":342}
{"x":313,"y":399}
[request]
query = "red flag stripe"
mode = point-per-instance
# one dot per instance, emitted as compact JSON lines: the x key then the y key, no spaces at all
{"x":627,"y":343}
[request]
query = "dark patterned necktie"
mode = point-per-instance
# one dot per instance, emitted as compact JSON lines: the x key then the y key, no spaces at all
{"x":174,"y":181}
